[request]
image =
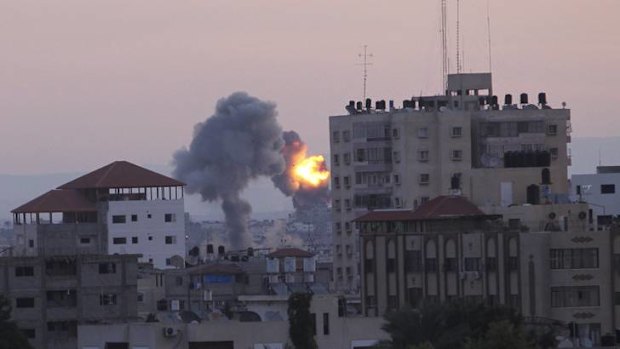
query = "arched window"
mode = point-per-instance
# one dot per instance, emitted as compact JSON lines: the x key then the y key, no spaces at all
{"x":545,"y":176}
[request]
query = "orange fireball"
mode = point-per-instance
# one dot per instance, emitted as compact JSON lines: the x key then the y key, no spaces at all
{"x":311,"y":171}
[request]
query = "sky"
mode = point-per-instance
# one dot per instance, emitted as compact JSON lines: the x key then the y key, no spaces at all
{"x":84,"y":83}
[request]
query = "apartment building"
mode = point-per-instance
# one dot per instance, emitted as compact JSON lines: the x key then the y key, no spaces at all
{"x":465,"y":142}
{"x":120,"y":208}
{"x":541,"y":259}
{"x":599,"y":191}
{"x":51,"y":295}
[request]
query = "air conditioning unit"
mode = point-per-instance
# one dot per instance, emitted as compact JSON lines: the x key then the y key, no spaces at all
{"x":169,"y":332}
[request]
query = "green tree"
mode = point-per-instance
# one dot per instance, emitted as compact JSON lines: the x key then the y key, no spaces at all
{"x":501,"y":334}
{"x":301,"y":323}
{"x":10,"y":336}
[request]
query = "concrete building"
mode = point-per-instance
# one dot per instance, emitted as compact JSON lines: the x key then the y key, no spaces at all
{"x":52,"y":295}
{"x":599,"y":191}
{"x":120,"y":208}
{"x":332,"y":330}
{"x":463,"y":142}
{"x":541,"y":259}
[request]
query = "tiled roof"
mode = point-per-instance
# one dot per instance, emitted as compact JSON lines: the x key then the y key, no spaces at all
{"x":441,"y":207}
{"x":58,"y":201}
{"x":121,"y":174}
{"x":290,"y":252}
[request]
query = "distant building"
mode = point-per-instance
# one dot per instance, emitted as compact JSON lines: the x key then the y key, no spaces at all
{"x":601,"y":191}
{"x":540,"y":259}
{"x":465,"y":142}
{"x":120,"y":208}
{"x":52,"y":295}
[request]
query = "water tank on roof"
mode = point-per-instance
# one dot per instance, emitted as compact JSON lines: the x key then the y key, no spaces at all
{"x":413,"y":103}
{"x":494,"y":101}
{"x":359,"y":105}
{"x":221,"y":250}
{"x":508,"y":99}
{"x":542,"y":98}
{"x":482,"y":100}
{"x":391,"y":104}
{"x":524,"y":99}
{"x":368,"y":103}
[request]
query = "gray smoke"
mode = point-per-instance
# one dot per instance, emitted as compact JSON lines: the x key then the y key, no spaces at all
{"x":303,"y":196}
{"x":238,"y":143}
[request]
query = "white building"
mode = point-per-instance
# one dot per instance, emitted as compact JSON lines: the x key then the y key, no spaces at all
{"x":599,"y":190}
{"x":120,"y":208}
{"x":465,"y":142}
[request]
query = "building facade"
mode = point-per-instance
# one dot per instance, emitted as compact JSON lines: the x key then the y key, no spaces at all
{"x":540,"y":259}
{"x":120,"y":208}
{"x":463,"y":142}
{"x":51,"y":295}
{"x":599,"y":191}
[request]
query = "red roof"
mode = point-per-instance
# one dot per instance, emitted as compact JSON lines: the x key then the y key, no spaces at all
{"x":58,"y":201}
{"x":121,"y":174}
{"x":290,"y":252}
{"x":441,"y":207}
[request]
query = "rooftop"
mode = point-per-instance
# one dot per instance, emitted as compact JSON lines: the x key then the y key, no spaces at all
{"x":441,"y":207}
{"x":121,"y":174}
{"x":290,"y":252}
{"x":58,"y":201}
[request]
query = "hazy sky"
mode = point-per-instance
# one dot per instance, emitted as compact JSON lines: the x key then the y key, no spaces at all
{"x":83,"y":83}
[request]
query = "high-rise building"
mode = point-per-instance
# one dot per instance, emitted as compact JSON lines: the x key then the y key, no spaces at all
{"x":120,"y":208}
{"x":465,"y":142}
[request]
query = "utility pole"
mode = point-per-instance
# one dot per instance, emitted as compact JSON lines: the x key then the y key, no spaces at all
{"x":444,"y":46}
{"x":365,"y":64}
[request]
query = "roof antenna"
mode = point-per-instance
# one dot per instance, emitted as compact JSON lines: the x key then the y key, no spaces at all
{"x":365,"y":64}
{"x":458,"y":37}
{"x":489,"y":36}
{"x":444,"y":45}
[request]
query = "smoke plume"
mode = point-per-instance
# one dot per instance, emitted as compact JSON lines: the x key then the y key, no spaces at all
{"x":238,"y":143}
{"x":304,"y":195}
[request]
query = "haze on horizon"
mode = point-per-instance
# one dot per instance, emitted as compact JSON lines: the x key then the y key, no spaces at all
{"x":84,"y":83}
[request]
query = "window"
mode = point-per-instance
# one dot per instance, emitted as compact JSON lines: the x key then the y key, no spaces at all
{"x":552,"y":130}
{"x":554,"y":153}
{"x":450,"y":264}
{"x":472,"y":264}
{"x":423,"y":132}
{"x":395,"y":133}
{"x":346,"y":136}
{"x":430,"y":264}
{"x":336,"y":136}
{"x":457,"y":155}
{"x":396,"y":179}
{"x":396,"y":157}
{"x":140,"y":298}
{"x":347,"y":181}
{"x":326,"y":323}
{"x":424,"y":199}
{"x":148,"y":215}
{"x":424,"y":178}
{"x":491,"y":264}
{"x":171,"y":239}
{"x":24,"y":271}
{"x":346,"y":157}
{"x":347,"y":227}
{"x":338,"y":227}
{"x":24,"y":302}
{"x":179,"y":280}
{"x":339,"y":250}
{"x":107,"y":268}
{"x":349,"y":250}
{"x":423,"y":155}
{"x":457,"y":131}
{"x":608,"y":188}
{"x":134,"y":217}
{"x":134,"y":239}
{"x":337,"y":182}
{"x":347,"y":204}
{"x":119,"y":241}
{"x":574,"y":258}
{"x":107,"y":299}
{"x":170,"y":217}
{"x":397,"y":202}
{"x":84,"y":241}
{"x":574,"y":296}
{"x":390,"y":265}
{"x":117,"y":219}
{"x":150,"y":238}
{"x":31,"y":243}
{"x":336,"y":160}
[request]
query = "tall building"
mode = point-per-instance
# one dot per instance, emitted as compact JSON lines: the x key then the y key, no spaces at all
{"x":120,"y":208}
{"x":465,"y":142}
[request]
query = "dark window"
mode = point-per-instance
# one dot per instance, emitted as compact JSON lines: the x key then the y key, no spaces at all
{"x":150,"y":238}
{"x":134,"y":240}
{"x":575,"y":296}
{"x":574,"y":258}
{"x":545,"y":176}
{"x":391,"y":265}
{"x":472,"y":264}
{"x":119,"y":219}
{"x":608,"y":188}
{"x":107,"y":299}
{"x":170,"y":240}
{"x":430,"y":264}
{"x":369,"y":266}
{"x":84,"y":241}
{"x":513,"y":263}
{"x":31,"y":243}
{"x":450,"y":264}
{"x":170,"y":217}
{"x":107,"y":268}
{"x":29,"y":333}
{"x":140,"y":298}
{"x":148,"y":216}
{"x":24,"y":302}
{"x":325,"y":323}
{"x":134,"y":217}
{"x":491,"y":264}
{"x":413,"y":261}
{"x":119,"y":241}
{"x":24,"y":271}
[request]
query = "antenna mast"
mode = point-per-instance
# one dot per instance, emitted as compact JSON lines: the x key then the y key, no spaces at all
{"x":365,"y":64}
{"x":458,"y":37}
{"x":489,"y":33}
{"x":444,"y":45}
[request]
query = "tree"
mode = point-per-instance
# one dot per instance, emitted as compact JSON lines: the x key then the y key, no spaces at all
{"x":501,"y":334}
{"x":301,"y":323}
{"x":10,"y":336}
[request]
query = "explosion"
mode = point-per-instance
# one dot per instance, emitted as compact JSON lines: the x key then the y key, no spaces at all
{"x":311,"y":171}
